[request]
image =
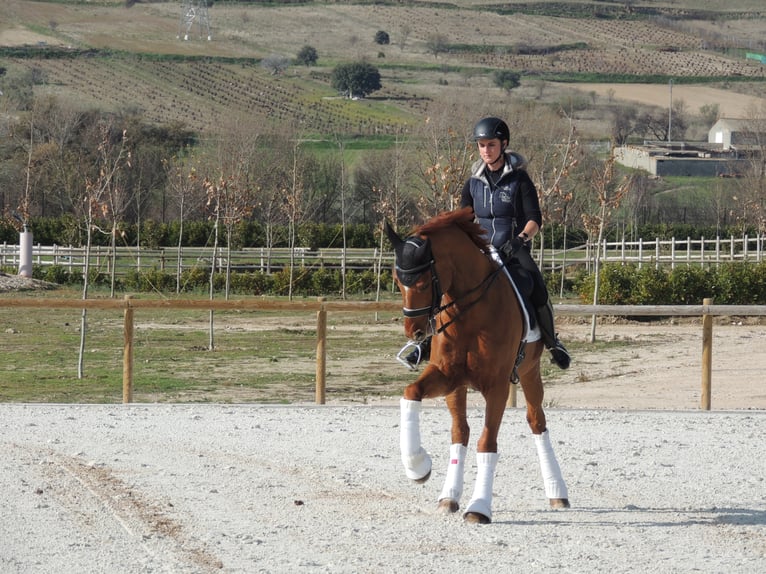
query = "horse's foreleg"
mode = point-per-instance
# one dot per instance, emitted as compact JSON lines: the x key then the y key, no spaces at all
{"x":417,"y":462}
{"x":449,"y":499}
{"x":431,"y":383}
{"x":479,"y":509}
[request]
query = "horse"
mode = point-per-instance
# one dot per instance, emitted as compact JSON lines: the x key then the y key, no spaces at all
{"x":455,"y":288}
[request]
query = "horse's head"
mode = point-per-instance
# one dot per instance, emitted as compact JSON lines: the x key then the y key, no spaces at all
{"x":417,"y":281}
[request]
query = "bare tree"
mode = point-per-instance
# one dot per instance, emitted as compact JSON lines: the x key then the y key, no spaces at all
{"x":751,"y":195}
{"x":382,"y":181}
{"x":112,"y":158}
{"x":553,"y":154}
{"x":446,"y":158}
{"x":437,"y":44}
{"x":605,"y":196}
{"x":294,"y":208}
{"x":182,"y":182}
{"x":404,"y":34}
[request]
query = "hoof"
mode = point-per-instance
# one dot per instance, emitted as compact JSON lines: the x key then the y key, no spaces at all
{"x":476,"y":518}
{"x":559,"y":502}
{"x":423,"y":479}
{"x":447,"y":506}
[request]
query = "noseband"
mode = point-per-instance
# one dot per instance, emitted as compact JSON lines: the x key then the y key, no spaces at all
{"x":436,"y":292}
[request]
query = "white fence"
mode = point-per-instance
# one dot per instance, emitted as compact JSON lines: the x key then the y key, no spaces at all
{"x":167,"y":259}
{"x":657,"y":252}
{"x":672,"y":252}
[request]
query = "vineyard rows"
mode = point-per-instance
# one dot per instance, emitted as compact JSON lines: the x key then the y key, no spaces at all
{"x":201,"y":93}
{"x":618,"y":47}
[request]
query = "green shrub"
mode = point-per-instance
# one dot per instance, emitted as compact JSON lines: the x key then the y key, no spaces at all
{"x":56,"y":274}
{"x":325,"y":281}
{"x":729,"y":284}
{"x":617,"y":284}
{"x":194,"y":278}
{"x":689,"y":285}
{"x":152,"y":280}
{"x":652,"y":287}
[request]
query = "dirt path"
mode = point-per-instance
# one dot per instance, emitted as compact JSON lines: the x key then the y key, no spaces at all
{"x":660,"y":366}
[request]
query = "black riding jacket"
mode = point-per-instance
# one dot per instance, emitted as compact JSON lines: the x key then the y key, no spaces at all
{"x":502,"y":209}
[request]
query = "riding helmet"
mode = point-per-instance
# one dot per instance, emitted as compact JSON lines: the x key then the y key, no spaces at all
{"x":491,"y":128}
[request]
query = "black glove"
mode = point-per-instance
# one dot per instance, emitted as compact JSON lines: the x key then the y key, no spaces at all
{"x":510,"y":247}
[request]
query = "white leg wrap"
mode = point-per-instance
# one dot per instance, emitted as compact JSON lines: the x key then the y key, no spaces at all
{"x":417,"y":463}
{"x":453,"y":484}
{"x":555,"y":487}
{"x":481,"y":501}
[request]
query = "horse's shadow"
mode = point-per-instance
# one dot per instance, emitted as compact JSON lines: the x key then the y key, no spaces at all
{"x":685,"y":517}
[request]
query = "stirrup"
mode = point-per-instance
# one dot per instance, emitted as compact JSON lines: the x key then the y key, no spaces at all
{"x":417,"y":354}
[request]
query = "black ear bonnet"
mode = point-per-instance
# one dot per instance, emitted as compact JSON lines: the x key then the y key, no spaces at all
{"x":413,"y":257}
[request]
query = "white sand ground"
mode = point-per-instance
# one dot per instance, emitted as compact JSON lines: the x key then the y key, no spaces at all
{"x":249,"y":488}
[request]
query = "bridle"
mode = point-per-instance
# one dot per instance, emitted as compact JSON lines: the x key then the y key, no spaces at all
{"x":436,"y":308}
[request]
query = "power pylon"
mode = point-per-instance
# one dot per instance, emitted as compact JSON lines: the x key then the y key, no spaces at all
{"x":194,"y":11}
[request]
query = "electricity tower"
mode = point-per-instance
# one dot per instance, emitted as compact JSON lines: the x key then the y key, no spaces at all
{"x":194,"y":11}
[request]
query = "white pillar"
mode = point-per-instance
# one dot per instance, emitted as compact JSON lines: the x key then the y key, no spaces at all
{"x":25,"y":253}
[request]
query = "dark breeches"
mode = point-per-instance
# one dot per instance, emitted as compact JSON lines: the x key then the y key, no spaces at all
{"x":539,"y":295}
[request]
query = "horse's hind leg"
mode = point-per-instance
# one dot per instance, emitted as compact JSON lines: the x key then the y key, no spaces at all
{"x":555,"y":487}
{"x":532,"y":384}
{"x":449,"y":499}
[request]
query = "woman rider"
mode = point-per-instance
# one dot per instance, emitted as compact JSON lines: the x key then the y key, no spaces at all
{"x":506,"y":205}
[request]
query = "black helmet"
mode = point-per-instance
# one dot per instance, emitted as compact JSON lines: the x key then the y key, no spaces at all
{"x":491,"y":128}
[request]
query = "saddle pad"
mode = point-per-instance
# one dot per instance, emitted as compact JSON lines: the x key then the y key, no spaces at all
{"x":529,"y":335}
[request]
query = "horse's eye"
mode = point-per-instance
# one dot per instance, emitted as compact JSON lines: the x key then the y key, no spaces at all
{"x":422,"y":285}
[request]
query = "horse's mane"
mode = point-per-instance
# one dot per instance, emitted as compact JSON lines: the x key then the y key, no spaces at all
{"x":463,"y":219}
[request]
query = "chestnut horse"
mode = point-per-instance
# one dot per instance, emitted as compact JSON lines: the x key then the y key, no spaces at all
{"x":455,"y":288}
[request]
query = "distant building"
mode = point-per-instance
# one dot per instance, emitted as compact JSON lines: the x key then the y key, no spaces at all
{"x":735,"y":133}
{"x":730,"y":142}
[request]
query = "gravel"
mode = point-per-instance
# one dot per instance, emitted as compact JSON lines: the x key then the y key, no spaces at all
{"x":305,"y":488}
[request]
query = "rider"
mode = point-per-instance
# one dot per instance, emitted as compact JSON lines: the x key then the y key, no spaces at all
{"x":506,"y":205}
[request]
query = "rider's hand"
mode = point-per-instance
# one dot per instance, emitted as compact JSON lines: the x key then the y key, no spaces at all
{"x":510,"y":247}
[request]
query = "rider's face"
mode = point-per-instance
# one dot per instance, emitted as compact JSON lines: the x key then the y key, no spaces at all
{"x":490,"y":150}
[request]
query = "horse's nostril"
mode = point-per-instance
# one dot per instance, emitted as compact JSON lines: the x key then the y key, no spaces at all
{"x":418,"y":335}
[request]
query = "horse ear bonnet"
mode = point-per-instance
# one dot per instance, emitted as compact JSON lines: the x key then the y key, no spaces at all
{"x":413,"y":257}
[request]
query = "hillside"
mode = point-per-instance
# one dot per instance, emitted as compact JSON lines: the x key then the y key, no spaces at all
{"x":105,"y":54}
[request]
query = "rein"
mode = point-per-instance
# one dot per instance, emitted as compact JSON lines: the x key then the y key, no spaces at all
{"x":435,"y":309}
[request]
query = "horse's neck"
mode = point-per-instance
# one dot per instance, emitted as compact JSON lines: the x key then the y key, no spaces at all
{"x":468,"y":268}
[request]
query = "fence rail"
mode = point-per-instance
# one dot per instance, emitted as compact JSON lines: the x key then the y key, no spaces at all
{"x":657,"y":252}
{"x":129,"y":305}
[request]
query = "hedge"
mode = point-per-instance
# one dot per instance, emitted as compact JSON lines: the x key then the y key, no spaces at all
{"x":305,"y":281}
{"x":729,"y":284}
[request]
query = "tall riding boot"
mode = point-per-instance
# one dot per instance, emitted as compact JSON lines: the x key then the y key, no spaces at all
{"x":559,"y":354}
{"x":421,"y":352}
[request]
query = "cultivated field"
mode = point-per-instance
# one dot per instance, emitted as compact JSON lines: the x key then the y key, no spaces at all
{"x":416,"y":78}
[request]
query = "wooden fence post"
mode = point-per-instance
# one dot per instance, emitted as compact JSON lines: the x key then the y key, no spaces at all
{"x":707,"y":355}
{"x":321,"y":383}
{"x":512,"y":396}
{"x":127,"y":355}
